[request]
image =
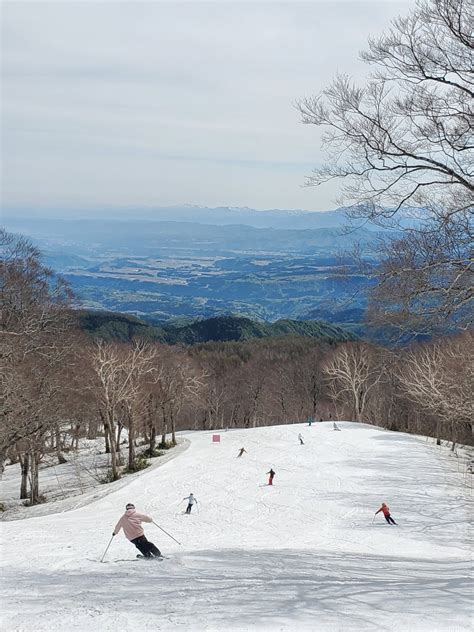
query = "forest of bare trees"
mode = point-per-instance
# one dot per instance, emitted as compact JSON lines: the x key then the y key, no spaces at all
{"x":59,"y":385}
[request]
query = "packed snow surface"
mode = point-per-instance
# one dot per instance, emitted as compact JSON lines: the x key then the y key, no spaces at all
{"x":303,"y":554}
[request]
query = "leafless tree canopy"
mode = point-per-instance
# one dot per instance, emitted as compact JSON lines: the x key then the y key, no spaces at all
{"x":352,"y":373}
{"x":403,"y":147}
{"x":34,"y":348}
{"x":32,"y":299}
{"x":439,"y":378}
{"x":119,"y":372}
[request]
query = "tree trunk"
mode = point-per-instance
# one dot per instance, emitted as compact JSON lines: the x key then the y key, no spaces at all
{"x":359,"y":404}
{"x":106,"y":431}
{"x":3,"y":458}
{"x":131,"y":443}
{"x":77,"y":433}
{"x":164,"y":433}
{"x":234,"y":415}
{"x":173,"y":429}
{"x":151,"y":438}
{"x":152,"y":441}
{"x":453,"y":435}
{"x":117,"y":444}
{"x":34,"y":478}
{"x":113,"y":448}
{"x":59,"y":455}
{"x":24,"y":467}
{"x":314,"y":407}
{"x":107,"y":440}
{"x":92,"y":429}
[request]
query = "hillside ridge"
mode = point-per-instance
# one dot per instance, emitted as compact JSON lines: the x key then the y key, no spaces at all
{"x":125,"y":327}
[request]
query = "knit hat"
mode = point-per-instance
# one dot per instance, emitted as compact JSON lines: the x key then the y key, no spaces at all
{"x":129,"y":506}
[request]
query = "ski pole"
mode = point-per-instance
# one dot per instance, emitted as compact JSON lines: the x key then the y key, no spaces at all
{"x":168,"y":534}
{"x":177,"y":506}
{"x":373,"y":519}
{"x":110,"y":542}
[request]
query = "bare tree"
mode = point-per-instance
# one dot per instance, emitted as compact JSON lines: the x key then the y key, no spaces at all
{"x":352,"y":373}
{"x":34,"y":326}
{"x":403,"y":147}
{"x":310,"y":381}
{"x":33,"y":299}
{"x":139,"y":369}
{"x":119,"y":371}
{"x":425,"y":281}
{"x":439,"y":378}
{"x":213,"y":399}
{"x":178,"y":380}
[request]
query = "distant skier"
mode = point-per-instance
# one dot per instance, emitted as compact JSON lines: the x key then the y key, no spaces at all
{"x":271,"y":475}
{"x":241,"y":451}
{"x":191,"y":500}
{"x":130,"y":522}
{"x":310,"y":421}
{"x":386,"y":512}
{"x":335,"y":426}
{"x":300,"y":437}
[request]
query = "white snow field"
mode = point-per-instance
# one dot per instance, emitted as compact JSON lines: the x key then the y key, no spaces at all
{"x":304,"y":554}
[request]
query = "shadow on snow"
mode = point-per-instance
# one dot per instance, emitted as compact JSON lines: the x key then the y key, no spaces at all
{"x":284,"y":590}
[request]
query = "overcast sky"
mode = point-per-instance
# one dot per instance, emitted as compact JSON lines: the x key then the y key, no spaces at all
{"x":119,"y":104}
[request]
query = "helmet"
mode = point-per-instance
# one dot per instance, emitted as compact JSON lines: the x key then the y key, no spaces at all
{"x":129,"y":506}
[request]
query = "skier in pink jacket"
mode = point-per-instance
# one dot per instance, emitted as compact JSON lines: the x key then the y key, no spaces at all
{"x":130,"y":522}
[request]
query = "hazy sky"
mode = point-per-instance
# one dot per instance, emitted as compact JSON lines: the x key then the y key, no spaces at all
{"x":157,"y":103}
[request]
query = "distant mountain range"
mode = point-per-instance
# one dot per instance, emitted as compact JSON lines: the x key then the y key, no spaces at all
{"x":220,"y":216}
{"x":122,"y":327}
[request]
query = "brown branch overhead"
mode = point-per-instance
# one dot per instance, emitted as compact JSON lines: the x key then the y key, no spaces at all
{"x":376,"y":127}
{"x":405,"y":140}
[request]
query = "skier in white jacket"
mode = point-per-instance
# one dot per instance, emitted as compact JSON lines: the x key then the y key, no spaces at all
{"x":191,"y":500}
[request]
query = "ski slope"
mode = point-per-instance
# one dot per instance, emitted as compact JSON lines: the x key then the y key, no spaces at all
{"x":304,"y":554}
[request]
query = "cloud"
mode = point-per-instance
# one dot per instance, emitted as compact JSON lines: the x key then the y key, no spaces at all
{"x":121,"y":103}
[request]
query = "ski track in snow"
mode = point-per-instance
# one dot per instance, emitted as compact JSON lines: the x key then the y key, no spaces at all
{"x":300,"y":555}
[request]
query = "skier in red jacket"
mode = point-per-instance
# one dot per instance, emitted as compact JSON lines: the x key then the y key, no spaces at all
{"x":386,"y":512}
{"x":271,"y":475}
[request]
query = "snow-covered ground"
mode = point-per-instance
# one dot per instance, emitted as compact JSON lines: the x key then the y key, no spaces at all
{"x":304,"y":554}
{"x":72,"y":484}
